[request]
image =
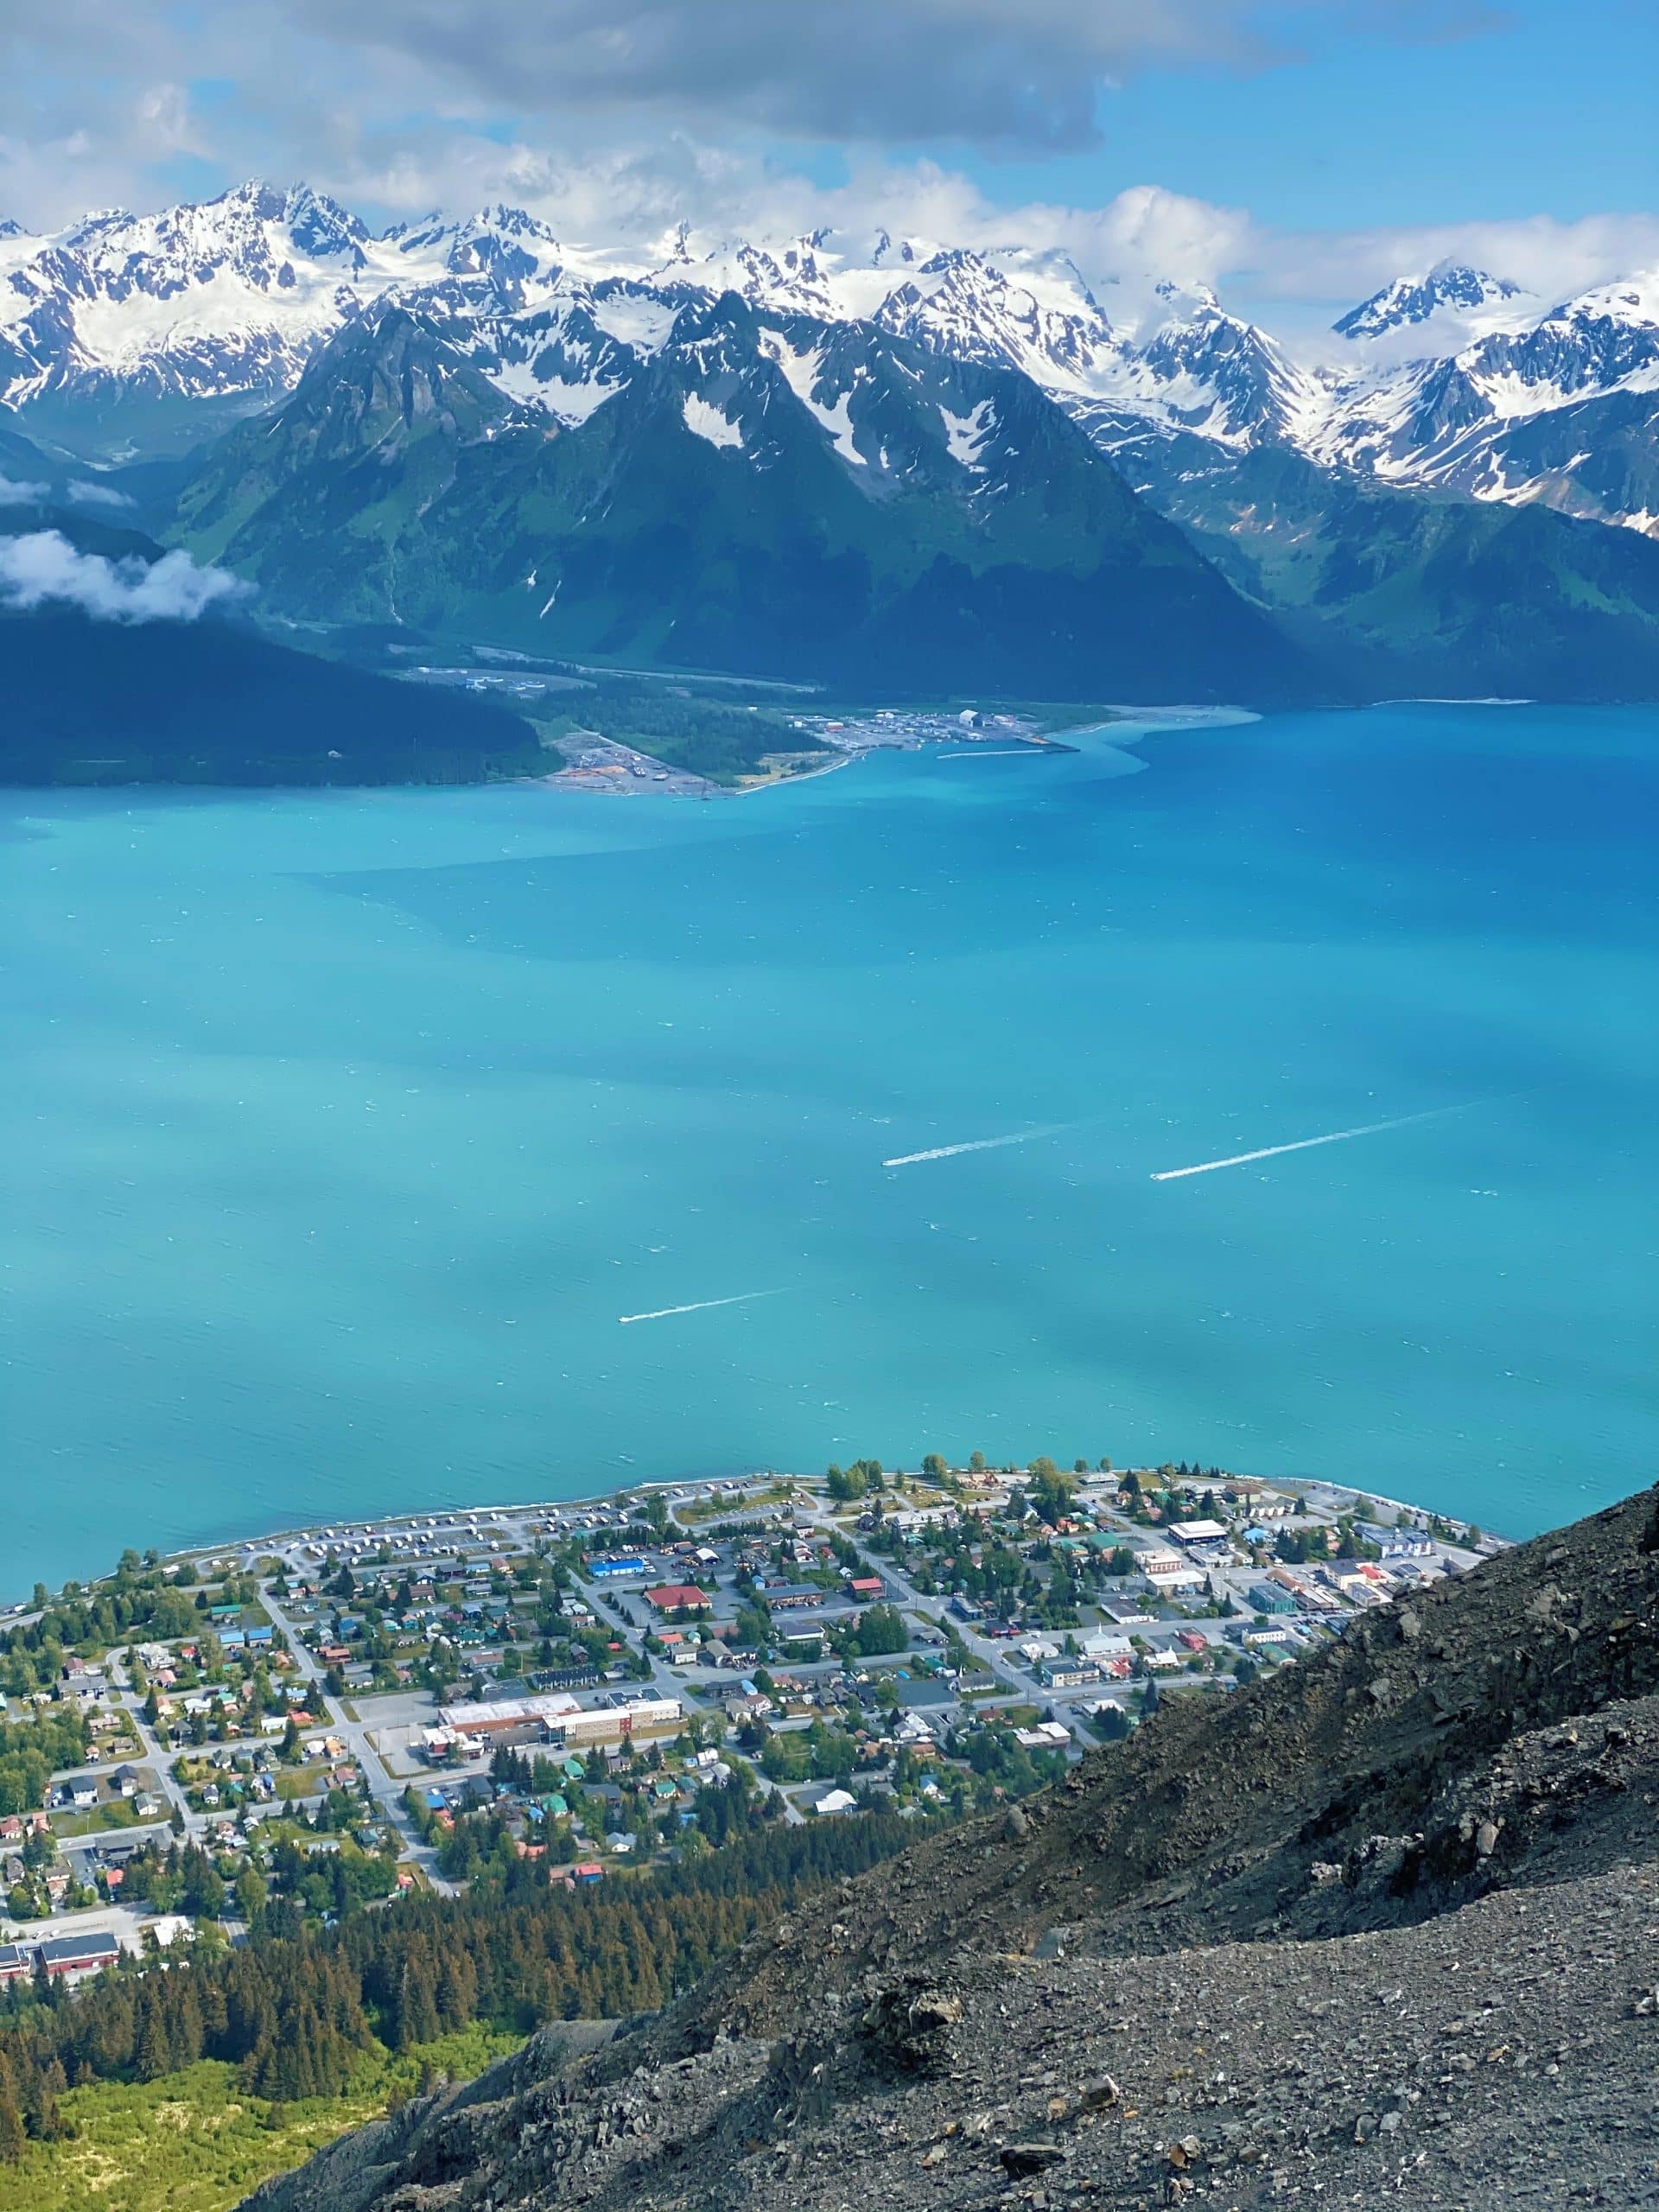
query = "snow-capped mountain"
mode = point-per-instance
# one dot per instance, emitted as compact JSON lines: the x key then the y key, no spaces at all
{"x":1512,"y":414}
{"x":129,"y":334}
{"x":756,"y":491}
{"x":1451,"y":287}
{"x":140,"y":333}
{"x":222,"y":301}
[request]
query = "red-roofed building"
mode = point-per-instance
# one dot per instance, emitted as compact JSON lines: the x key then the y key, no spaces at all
{"x":674,"y":1597}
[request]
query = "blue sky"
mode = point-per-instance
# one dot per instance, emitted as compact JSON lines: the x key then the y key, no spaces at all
{"x":1297,"y":151}
{"x":1553,"y":108}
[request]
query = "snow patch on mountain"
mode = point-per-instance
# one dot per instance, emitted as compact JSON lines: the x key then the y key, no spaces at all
{"x":966,"y":435}
{"x":1439,"y":379}
{"x":634,"y":319}
{"x":704,"y":420}
{"x":803,"y":371}
{"x":570,"y":400}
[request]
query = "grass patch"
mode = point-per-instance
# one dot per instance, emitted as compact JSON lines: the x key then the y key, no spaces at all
{"x":118,"y":1813}
{"x":734,"y":1509}
{"x":194,"y":2142}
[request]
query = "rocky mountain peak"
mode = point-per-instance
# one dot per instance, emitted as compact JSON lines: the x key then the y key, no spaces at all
{"x":1407,"y":300}
{"x":1451,"y":377}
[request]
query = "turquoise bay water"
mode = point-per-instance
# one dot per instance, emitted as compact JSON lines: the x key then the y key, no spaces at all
{"x":340,"y":1128}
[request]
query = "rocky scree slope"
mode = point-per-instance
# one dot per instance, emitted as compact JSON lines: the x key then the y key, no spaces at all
{"x":1380,"y":1929}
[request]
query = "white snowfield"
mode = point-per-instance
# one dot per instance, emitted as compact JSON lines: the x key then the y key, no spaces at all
{"x":705,"y":420}
{"x":1448,"y":376}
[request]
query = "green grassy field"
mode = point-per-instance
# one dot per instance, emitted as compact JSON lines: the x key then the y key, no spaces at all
{"x":194,"y":2142}
{"x":117,"y":1814}
{"x":732,"y":1509}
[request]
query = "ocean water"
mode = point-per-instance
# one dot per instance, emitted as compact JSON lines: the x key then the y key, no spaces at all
{"x":340,"y":1129}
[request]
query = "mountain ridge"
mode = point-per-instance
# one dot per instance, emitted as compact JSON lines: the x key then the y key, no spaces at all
{"x":763,"y":494}
{"x":125,"y":333}
{"x":892,"y":464}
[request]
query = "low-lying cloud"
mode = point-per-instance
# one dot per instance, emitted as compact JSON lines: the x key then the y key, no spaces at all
{"x":88,"y":494}
{"x":13,"y":493}
{"x":43,"y":569}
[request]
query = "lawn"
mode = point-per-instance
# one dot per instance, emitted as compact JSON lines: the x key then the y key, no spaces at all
{"x":115,"y":1813}
{"x":193,"y":2142}
{"x":734,"y":1509}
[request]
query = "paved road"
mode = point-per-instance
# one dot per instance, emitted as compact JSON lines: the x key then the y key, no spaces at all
{"x":385,"y":1789}
{"x":793,"y":1816}
{"x":155,"y":1756}
{"x":117,"y":1920}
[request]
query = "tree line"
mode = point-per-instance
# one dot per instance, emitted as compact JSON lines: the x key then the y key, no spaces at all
{"x":294,"y":2011}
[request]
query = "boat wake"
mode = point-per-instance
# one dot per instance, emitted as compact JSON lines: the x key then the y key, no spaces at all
{"x":981,"y":1144}
{"x":697,"y":1306}
{"x":1307,"y":1144}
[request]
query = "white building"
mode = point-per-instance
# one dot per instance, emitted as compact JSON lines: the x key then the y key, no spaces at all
{"x":1197,"y":1532}
{"x":1106,"y":1644}
{"x":1168,"y":1571}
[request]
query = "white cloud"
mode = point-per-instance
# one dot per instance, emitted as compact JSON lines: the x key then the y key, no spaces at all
{"x":15,"y":495}
{"x":664,"y":110}
{"x":86,"y":493}
{"x":317,"y":78}
{"x":1144,"y":235}
{"x":1023,"y":74}
{"x":99,"y":104}
{"x":44,"y":568}
{"x":163,"y":114}
{"x":1537,"y":252}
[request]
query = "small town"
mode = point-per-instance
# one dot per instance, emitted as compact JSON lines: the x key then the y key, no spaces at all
{"x":906,"y":729}
{"x":314,"y":1721}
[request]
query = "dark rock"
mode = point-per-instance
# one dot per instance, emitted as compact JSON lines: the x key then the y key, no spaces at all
{"x":1024,"y":2158}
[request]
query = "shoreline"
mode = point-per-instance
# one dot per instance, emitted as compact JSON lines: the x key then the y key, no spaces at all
{"x":1131,"y":724}
{"x":1126,"y":726}
{"x":378,"y":1525}
{"x":782,"y":783}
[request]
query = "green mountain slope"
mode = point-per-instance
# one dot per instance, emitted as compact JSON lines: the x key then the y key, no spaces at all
{"x":215,"y":701}
{"x":773,"y":498}
{"x":1426,"y":594}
